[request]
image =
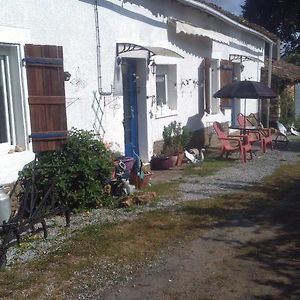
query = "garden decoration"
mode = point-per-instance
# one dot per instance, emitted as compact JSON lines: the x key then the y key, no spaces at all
{"x":119,"y":185}
{"x":35,"y":206}
{"x":281,"y":139}
{"x":138,"y":177}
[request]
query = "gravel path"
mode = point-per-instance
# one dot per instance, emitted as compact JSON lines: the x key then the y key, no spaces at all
{"x":239,"y":176}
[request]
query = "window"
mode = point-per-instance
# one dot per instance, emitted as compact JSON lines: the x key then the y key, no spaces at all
{"x":166,"y":90}
{"x":211,"y":68}
{"x":215,"y":85}
{"x":161,"y":89}
{"x":12,"y":111}
{"x":6,"y":111}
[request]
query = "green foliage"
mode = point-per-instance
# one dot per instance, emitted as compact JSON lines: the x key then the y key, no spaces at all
{"x":277,"y":16}
{"x":79,"y":171}
{"x":294,"y":58}
{"x":287,"y":107}
{"x":297,"y":122}
{"x":176,"y":138}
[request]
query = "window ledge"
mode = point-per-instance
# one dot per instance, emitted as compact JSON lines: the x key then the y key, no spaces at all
{"x":164,"y":111}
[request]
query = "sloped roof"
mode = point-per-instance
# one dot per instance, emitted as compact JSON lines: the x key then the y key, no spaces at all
{"x":239,"y":20}
{"x":284,"y":70}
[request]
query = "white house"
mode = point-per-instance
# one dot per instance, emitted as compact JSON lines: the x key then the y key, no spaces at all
{"x":135,"y":66}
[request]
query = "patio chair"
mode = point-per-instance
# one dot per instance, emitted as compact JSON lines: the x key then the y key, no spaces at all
{"x":232,"y":143}
{"x":253,"y":135}
{"x":264,"y":134}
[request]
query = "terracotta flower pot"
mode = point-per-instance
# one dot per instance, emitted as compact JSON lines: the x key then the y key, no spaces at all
{"x":173,"y":159}
{"x":180,"y":158}
{"x":161,"y":163}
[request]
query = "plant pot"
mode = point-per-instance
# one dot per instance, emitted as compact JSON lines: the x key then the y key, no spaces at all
{"x":161,"y":163}
{"x":128,"y":161}
{"x":180,"y":158}
{"x":173,"y":159}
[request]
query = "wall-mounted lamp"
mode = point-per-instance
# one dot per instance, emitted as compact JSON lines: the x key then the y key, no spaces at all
{"x":153,"y":67}
{"x":119,"y":60}
{"x":67,"y":76}
{"x":242,"y":68}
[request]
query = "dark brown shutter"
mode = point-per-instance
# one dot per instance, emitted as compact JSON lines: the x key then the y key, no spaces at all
{"x":226,"y":73}
{"x":46,"y":91}
{"x":207,"y":91}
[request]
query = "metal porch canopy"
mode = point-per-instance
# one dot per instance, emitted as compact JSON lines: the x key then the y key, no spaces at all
{"x":150,"y":51}
{"x":191,"y":29}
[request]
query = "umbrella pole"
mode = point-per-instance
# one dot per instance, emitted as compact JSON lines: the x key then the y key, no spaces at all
{"x":259,"y":110}
{"x":244,"y":114}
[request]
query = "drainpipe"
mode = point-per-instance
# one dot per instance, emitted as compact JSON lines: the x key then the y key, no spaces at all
{"x":269,"y":81}
{"x":98,"y":42}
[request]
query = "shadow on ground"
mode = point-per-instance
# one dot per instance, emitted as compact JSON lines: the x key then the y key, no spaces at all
{"x":271,"y":208}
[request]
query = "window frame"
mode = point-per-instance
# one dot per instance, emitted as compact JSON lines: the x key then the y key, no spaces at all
{"x":165,"y":110}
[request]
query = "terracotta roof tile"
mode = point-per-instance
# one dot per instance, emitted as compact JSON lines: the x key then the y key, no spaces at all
{"x":284,"y":70}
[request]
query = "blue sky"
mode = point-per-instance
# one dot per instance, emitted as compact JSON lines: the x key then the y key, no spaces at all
{"x":232,"y":6}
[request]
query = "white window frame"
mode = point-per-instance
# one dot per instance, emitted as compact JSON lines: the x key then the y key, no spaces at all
{"x":165,"y":77}
{"x":164,"y":110}
{"x":8,"y":105}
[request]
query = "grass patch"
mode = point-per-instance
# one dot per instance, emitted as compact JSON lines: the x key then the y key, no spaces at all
{"x":164,"y":189}
{"x":131,"y":242}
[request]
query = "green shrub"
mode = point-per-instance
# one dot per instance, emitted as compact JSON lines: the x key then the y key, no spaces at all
{"x":79,"y":171}
{"x":297,"y":122}
{"x":287,"y":107}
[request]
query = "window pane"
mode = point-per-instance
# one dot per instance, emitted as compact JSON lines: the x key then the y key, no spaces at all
{"x":3,"y":106}
{"x":161,"y":91}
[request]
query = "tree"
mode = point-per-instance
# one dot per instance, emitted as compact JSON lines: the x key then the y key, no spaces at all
{"x":294,"y":58}
{"x":281,"y":17}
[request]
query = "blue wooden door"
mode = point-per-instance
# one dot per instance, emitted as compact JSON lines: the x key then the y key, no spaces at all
{"x":130,"y":108}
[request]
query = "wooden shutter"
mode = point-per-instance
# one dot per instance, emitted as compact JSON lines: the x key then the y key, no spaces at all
{"x":46,"y":91}
{"x":226,"y":74}
{"x":207,"y":80}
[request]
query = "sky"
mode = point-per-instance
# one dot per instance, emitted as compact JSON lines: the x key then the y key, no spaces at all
{"x":232,"y":6}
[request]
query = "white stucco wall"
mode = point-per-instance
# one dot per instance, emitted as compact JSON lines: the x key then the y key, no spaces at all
{"x":71,"y":24}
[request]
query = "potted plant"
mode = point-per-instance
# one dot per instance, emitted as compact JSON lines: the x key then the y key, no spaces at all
{"x":175,"y":139}
{"x":181,"y":138}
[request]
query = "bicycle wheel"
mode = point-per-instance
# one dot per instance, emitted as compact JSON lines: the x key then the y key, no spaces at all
{"x":281,"y":141}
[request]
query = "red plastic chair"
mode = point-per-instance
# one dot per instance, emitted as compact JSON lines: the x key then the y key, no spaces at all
{"x":232,"y":143}
{"x":253,"y":136}
{"x":262,"y":134}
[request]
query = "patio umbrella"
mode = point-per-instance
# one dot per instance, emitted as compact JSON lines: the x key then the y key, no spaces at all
{"x":247,"y":90}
